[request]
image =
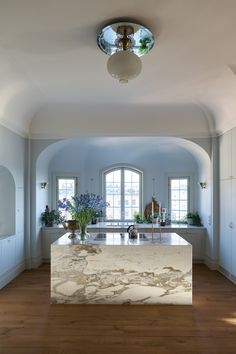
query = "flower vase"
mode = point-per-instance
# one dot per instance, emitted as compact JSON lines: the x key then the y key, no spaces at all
{"x":83,"y":232}
{"x":72,"y":225}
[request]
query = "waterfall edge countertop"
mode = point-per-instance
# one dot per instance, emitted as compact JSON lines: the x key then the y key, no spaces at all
{"x":109,"y":268}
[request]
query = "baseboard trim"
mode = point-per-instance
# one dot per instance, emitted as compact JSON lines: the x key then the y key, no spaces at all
{"x":36,"y":261}
{"x":11,"y":273}
{"x":211,"y":263}
{"x":196,"y":261}
{"x":227,"y":274}
{"x":46,"y":260}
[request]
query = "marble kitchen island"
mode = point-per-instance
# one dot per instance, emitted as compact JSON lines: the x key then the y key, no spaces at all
{"x":109,"y":268}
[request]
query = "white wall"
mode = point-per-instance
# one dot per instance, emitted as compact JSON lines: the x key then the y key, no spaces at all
{"x":38,"y":197}
{"x":8,"y":203}
{"x":12,"y":157}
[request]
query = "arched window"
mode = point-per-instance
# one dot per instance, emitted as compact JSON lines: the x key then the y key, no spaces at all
{"x":123,"y":191}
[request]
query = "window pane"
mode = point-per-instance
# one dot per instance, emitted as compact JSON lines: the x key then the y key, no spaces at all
{"x":116,"y":176}
{"x":132,"y":193}
{"x":136,"y":188}
{"x":116,"y":214}
{"x":183,"y":195}
{"x":128,"y":188}
{"x":175,"y":195}
{"x":128,"y":175}
{"x":109,"y":177}
{"x":183,"y":205}
{"x":113,"y":194}
{"x":178,"y":198}
{"x":66,"y":188}
{"x":122,"y":188}
{"x":116,"y":201}
{"x":175,"y":205}
{"x":183,"y":184}
{"x":182,"y":215}
{"x":174,"y":184}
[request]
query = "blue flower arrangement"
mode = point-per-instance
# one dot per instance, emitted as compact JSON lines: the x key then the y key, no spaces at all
{"x":83,"y":208}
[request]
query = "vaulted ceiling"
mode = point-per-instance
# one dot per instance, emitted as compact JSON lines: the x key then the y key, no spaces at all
{"x":49,"y":60}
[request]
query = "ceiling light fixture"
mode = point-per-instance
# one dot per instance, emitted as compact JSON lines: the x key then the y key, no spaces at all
{"x":125,"y":42}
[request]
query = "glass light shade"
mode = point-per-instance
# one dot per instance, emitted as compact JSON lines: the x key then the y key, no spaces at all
{"x":124,"y":66}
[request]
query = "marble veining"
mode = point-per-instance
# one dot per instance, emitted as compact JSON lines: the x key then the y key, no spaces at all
{"x":101,"y":273}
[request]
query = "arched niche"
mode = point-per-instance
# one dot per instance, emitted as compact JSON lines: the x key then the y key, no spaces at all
{"x":82,"y":153}
{"x":7,"y":202}
{"x":50,"y":156}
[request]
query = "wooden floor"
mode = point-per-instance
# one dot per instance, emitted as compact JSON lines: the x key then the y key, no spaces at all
{"x":29,"y":324}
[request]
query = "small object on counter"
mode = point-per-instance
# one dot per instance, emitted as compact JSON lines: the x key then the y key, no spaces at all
{"x":132,"y":231}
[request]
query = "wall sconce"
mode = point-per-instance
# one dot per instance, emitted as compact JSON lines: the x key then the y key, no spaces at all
{"x":203,"y":185}
{"x":43,"y":185}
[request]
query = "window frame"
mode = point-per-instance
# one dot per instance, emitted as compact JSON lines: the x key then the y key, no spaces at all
{"x":190,"y":199}
{"x":62,"y":175}
{"x":123,"y":167}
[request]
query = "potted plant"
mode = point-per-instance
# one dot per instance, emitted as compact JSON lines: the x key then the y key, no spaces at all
{"x":155,"y":218}
{"x":51,"y":217}
{"x":138,"y":217}
{"x":197,"y":219}
{"x":190,"y":217}
{"x":193,"y":219}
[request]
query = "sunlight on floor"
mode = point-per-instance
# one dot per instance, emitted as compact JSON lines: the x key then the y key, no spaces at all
{"x":231,"y":320}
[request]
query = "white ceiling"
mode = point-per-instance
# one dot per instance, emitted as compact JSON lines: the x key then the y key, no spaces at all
{"x":49,"y":57}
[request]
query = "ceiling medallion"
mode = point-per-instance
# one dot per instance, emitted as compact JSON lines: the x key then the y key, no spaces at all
{"x":125,"y":42}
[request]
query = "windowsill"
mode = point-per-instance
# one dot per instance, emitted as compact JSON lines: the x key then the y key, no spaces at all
{"x":139,"y":226}
{"x":147,"y":226}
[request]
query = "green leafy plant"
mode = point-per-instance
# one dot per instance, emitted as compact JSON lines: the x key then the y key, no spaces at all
{"x":50,"y":217}
{"x":138,"y":217}
{"x":195,"y":217}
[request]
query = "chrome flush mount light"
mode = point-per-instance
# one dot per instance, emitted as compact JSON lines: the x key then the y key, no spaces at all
{"x":125,"y":42}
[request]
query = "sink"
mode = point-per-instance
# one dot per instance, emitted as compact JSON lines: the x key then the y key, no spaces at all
{"x":103,"y":236}
{"x":143,"y":237}
{"x":100,"y":236}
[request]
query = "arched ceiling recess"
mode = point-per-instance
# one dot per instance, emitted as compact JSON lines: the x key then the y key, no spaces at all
{"x":48,"y":55}
{"x":137,"y":147}
{"x":112,"y":119}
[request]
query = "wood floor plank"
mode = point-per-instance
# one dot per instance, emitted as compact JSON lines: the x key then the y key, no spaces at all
{"x":30,"y":325}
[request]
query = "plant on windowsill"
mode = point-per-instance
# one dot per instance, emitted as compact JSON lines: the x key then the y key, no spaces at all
{"x":138,"y":217}
{"x":51,"y":217}
{"x":193,"y":219}
{"x":155,"y":218}
{"x":189,"y":218}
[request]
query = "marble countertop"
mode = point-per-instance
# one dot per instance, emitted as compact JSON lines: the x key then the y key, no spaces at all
{"x":122,"y":239}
